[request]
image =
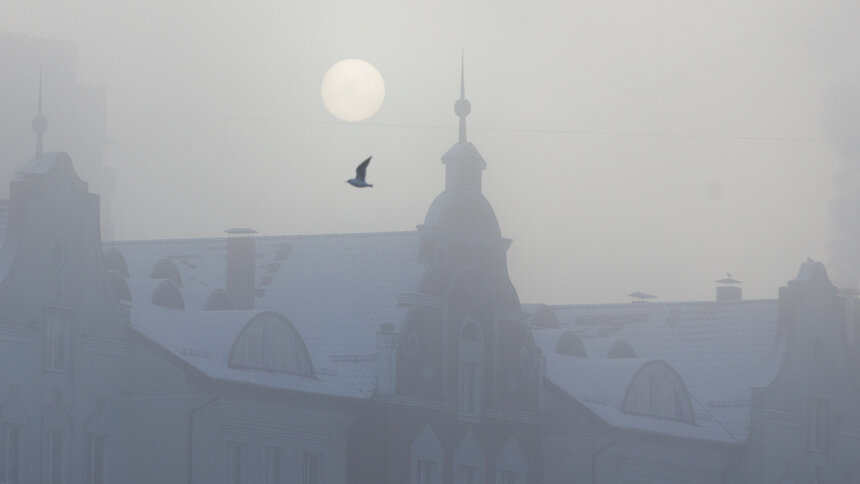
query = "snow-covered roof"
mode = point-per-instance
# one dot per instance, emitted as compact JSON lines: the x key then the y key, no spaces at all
{"x":720,"y":349}
{"x":336,"y":290}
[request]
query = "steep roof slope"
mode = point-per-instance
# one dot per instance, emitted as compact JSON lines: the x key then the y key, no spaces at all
{"x":335,"y":289}
{"x":721,"y":350}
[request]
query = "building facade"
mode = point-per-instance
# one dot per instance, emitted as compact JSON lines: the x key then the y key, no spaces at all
{"x":403,"y":357}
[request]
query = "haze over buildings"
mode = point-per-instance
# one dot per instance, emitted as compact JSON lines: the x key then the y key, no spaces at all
{"x":650,"y":146}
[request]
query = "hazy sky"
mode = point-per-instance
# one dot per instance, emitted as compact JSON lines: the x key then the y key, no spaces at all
{"x":631,"y":145}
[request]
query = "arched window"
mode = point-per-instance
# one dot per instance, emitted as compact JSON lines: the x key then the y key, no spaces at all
{"x":167,"y":295}
{"x":118,"y":286}
{"x":167,"y":269}
{"x":469,"y":461}
{"x":471,"y":374}
{"x":219,"y":300}
{"x":427,"y":458}
{"x":570,"y":344}
{"x":511,"y":465}
{"x":657,"y":390}
{"x":114,"y":261}
{"x":269,"y":342}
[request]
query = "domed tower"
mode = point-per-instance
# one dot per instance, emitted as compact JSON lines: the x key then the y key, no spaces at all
{"x":462,"y":205}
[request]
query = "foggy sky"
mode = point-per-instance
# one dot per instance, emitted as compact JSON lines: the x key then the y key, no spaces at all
{"x":631,"y":146}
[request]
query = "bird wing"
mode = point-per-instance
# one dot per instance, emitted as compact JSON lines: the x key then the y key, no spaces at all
{"x":362,"y":168}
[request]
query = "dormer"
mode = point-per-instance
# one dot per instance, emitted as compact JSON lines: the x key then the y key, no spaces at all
{"x":270,"y":342}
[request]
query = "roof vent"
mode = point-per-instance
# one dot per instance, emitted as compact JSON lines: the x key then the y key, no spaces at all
{"x":729,"y":289}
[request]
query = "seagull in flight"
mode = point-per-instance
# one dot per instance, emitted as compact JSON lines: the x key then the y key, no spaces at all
{"x":360,"y":172}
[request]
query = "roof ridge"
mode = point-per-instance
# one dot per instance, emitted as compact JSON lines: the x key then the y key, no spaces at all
{"x":654,"y":303}
{"x":259,"y":237}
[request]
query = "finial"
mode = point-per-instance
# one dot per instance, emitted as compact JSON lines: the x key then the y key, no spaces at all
{"x":462,"y":107}
{"x":40,"y":122}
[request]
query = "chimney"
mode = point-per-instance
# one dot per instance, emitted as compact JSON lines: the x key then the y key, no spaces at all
{"x":386,"y":360}
{"x":241,"y":255}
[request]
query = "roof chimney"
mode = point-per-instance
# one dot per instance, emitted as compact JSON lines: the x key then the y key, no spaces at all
{"x":241,"y":255}
{"x":729,"y":289}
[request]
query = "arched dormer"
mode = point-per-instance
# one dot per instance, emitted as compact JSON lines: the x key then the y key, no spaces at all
{"x":658,"y":391}
{"x":427,"y":458}
{"x":270,"y":342}
{"x":571,"y":344}
{"x":167,"y":295}
{"x":114,"y":260}
{"x":119,"y":286}
{"x":167,"y":269}
{"x":219,"y":300}
{"x":621,"y":349}
{"x":545,"y":317}
{"x":511,"y":465}
{"x":469,"y":461}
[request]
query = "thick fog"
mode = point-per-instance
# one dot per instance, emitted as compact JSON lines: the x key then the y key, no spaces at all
{"x":631,"y":146}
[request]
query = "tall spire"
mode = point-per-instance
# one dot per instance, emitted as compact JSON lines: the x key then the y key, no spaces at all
{"x":40,"y":123}
{"x":462,"y":107}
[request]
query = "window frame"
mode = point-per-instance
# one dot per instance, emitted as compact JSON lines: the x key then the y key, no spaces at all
{"x":818,"y":415}
{"x":470,"y":369}
{"x":6,"y":458}
{"x":90,"y":476}
{"x":232,"y":450}
{"x":55,"y":460}
{"x":57,"y":316}
{"x":317,"y":458}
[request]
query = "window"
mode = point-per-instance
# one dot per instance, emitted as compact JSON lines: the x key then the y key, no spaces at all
{"x":95,"y":464}
{"x":511,"y":465}
{"x":818,"y":421}
{"x":274,"y":470}
{"x":469,"y":461}
{"x":270,"y":343}
{"x":10,"y":453}
{"x":469,"y":475}
{"x":57,"y":332}
{"x":658,"y":391}
{"x":509,"y":477}
{"x":471,"y":373}
{"x":54,"y":459}
{"x":236,"y":455}
{"x":312,"y":472}
{"x":426,"y":471}
{"x":427,"y":458}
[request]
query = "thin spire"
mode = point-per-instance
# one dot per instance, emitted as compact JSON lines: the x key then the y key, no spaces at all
{"x":40,"y":123}
{"x":462,"y":107}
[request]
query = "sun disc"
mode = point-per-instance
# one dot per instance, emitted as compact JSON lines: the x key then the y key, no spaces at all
{"x":352,"y":90}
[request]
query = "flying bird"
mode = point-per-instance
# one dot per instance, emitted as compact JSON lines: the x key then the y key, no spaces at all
{"x":360,"y":173}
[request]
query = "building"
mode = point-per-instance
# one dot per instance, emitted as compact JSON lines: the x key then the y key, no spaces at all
{"x":78,"y":113}
{"x":393,"y":358}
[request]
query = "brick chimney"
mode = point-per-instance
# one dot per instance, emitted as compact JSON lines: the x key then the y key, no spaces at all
{"x":241,"y":255}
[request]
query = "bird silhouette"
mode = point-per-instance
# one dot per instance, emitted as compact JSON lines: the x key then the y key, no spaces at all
{"x":360,"y":173}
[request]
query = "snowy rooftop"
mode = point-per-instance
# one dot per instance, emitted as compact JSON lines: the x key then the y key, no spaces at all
{"x":720,"y":349}
{"x":335,"y":289}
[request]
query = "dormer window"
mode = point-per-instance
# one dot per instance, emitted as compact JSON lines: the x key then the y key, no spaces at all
{"x":658,"y":391}
{"x":471,"y":374}
{"x":269,"y":342}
